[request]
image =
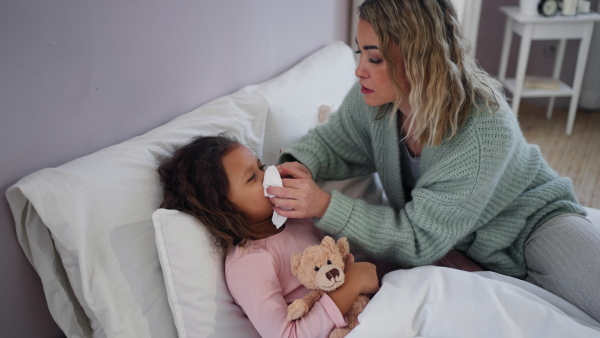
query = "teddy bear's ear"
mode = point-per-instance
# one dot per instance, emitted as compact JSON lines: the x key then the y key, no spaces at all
{"x":328,"y":242}
{"x":343,"y":246}
{"x":296,"y":257}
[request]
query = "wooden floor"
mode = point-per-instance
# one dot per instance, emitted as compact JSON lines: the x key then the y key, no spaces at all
{"x":576,"y":156}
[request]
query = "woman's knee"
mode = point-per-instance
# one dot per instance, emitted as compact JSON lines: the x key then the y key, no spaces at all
{"x":562,"y":257}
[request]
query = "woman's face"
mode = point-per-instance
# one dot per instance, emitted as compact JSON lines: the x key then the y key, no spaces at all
{"x":372,"y":72}
{"x":245,"y":174}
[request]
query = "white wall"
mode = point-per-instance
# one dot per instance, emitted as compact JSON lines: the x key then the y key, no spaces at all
{"x":77,"y":76}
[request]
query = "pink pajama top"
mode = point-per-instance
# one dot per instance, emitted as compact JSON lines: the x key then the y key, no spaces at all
{"x":260,"y":279}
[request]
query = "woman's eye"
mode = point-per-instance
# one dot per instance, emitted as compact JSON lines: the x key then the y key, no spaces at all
{"x":374,"y":61}
{"x":357,"y":51}
{"x":262,"y":167}
{"x":252,"y":177}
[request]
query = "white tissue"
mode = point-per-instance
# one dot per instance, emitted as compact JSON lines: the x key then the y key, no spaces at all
{"x":272,"y":178}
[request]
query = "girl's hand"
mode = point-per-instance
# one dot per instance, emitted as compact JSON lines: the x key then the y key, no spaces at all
{"x":362,"y":274}
{"x":361,"y":278}
{"x":300,"y":197}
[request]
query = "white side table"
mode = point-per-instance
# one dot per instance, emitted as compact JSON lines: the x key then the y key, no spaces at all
{"x":536,"y":27}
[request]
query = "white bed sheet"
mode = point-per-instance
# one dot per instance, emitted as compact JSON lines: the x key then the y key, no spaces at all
{"x":443,"y":302}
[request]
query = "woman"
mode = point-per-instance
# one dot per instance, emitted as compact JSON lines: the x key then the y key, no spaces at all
{"x":451,"y":157}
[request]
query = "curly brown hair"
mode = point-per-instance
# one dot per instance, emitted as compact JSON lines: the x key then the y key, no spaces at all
{"x":194,"y":181}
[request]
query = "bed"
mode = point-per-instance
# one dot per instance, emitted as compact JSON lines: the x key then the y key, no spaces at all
{"x":115,"y":265}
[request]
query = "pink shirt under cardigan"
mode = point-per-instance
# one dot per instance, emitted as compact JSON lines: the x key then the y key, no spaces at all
{"x":260,"y":280}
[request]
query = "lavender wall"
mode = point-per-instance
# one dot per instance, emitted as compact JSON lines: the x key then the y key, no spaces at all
{"x":77,"y":76}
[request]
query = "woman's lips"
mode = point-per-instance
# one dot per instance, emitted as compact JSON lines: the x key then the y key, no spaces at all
{"x":365,"y":90}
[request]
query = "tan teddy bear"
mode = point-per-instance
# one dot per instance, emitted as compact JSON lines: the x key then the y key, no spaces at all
{"x":320,"y":268}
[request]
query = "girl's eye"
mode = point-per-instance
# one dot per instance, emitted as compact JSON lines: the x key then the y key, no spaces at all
{"x":357,"y":51}
{"x":261,"y":168}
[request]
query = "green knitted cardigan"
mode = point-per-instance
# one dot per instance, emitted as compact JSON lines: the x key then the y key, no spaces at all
{"x":484,"y":191}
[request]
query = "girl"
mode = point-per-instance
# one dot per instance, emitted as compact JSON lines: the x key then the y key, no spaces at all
{"x":219,"y":181}
{"x":455,"y":167}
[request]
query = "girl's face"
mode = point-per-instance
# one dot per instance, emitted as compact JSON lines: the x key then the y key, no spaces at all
{"x":372,"y":72}
{"x":245,"y":174}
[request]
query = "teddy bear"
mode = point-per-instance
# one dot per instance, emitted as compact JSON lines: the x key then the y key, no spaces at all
{"x":320,"y":268}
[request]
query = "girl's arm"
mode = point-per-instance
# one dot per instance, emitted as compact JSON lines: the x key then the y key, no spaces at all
{"x":254,"y":284}
{"x":361,"y":278}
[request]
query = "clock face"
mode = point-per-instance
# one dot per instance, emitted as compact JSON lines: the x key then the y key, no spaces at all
{"x":548,"y":7}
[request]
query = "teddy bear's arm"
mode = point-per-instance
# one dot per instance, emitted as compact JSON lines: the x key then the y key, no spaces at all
{"x":301,"y":306}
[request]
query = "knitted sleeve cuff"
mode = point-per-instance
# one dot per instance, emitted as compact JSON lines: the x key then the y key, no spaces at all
{"x":337,"y":214}
{"x":309,"y":161}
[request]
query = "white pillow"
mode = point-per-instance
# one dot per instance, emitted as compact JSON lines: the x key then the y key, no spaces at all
{"x":194,"y":274}
{"x":96,"y":213}
{"x":322,"y":78}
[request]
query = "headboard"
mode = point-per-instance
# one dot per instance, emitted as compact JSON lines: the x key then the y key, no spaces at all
{"x":81,"y":76}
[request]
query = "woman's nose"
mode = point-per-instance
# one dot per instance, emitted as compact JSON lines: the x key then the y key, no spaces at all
{"x":360,"y":71}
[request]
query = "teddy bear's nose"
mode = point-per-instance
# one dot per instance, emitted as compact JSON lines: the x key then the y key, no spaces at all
{"x":331,"y":274}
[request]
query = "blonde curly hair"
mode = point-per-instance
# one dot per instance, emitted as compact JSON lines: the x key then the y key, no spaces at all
{"x":446,"y":82}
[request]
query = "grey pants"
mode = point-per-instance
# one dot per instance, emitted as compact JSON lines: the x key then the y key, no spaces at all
{"x":563,"y":257}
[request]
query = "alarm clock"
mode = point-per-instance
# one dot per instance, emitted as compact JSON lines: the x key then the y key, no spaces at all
{"x":548,"y":7}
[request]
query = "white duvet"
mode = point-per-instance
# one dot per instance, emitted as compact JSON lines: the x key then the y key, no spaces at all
{"x":442,"y":302}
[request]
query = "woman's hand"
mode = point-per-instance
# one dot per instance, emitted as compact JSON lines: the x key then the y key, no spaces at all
{"x":300,"y":196}
{"x":286,"y":169}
